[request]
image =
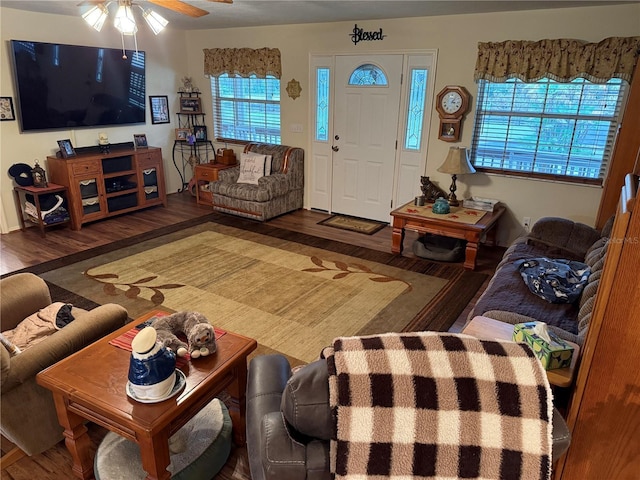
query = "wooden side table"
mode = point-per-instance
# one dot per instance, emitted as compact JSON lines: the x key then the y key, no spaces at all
{"x":90,"y":385}
{"x":472,"y":233}
{"x":487,"y":328}
{"x":206,"y":172}
{"x":37,"y":192}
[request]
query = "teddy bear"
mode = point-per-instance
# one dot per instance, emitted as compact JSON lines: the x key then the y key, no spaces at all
{"x":195,"y":326}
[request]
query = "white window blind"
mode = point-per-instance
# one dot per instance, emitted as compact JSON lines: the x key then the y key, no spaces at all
{"x":246,"y":109}
{"x":547,"y":129}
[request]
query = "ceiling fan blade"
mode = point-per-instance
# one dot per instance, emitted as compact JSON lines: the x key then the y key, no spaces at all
{"x":221,"y":1}
{"x":180,"y":7}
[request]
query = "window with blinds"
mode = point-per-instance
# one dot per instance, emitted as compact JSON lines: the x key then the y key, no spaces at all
{"x":246,"y":109}
{"x":547,"y":129}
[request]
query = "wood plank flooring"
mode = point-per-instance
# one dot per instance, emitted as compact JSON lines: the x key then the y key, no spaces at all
{"x":25,"y":249}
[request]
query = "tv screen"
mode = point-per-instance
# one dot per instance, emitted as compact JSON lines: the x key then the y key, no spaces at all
{"x":69,"y":86}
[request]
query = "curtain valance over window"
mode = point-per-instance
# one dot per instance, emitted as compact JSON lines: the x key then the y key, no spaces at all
{"x":562,"y":60}
{"x":243,"y":61}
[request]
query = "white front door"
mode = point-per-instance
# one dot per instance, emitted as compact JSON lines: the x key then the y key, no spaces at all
{"x":367,"y":104}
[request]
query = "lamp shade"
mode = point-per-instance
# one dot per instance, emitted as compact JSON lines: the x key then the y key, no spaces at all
{"x":457,"y":162}
{"x":124,"y":20}
{"x":96,"y":16}
{"x":155,"y":21}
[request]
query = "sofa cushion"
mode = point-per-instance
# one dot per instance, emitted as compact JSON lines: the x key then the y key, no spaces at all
{"x":305,"y":401}
{"x":252,"y":168}
{"x":596,"y":251}
{"x":267,"y":189}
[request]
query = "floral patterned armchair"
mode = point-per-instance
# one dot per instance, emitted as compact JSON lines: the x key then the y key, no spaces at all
{"x":280,"y":192}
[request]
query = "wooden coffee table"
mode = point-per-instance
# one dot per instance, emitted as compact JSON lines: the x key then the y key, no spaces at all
{"x":472,"y":233}
{"x":90,"y":385}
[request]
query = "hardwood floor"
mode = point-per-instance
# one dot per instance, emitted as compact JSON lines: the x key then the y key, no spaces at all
{"x":19,"y":250}
{"x":24,"y":249}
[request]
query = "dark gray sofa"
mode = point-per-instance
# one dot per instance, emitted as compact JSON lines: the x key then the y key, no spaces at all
{"x":509,"y":300}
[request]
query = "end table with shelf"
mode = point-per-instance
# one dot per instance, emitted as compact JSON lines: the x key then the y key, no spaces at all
{"x":52,"y":188}
{"x":420,"y":219}
{"x":486,"y":328}
{"x":206,"y":172}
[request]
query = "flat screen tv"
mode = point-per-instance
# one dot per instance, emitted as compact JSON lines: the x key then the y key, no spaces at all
{"x":70,"y":86}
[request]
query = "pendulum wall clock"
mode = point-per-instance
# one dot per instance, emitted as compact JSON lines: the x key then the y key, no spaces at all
{"x":451,"y":103}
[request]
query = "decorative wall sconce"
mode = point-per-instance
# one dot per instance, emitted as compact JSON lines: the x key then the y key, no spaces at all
{"x":294,"y":88}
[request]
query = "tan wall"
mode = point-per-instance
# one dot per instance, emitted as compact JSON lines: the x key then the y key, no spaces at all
{"x":455,"y":38}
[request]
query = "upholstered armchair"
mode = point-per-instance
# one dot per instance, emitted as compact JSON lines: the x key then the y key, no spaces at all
{"x":274,"y":194}
{"x":28,"y":416}
{"x":289,"y":424}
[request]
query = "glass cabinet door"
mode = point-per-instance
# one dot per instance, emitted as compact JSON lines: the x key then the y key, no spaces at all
{"x":90,"y":196}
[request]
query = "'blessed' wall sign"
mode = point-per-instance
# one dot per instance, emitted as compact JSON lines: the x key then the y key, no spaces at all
{"x":359,"y":35}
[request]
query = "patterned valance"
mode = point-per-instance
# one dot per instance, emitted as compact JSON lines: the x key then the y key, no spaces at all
{"x":562,"y":60}
{"x":243,"y":61}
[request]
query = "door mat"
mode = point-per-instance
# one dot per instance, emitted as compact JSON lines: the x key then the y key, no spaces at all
{"x":353,"y":224}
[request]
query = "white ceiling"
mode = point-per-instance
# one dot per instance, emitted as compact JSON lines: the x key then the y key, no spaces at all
{"x":250,"y":13}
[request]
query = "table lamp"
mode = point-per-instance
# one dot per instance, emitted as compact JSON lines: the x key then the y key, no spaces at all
{"x":456,"y":163}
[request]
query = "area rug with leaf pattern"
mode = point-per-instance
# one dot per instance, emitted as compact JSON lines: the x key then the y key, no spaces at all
{"x":278,"y":287}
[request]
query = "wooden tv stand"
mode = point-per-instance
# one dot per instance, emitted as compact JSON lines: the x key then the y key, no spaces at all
{"x":101,"y":185}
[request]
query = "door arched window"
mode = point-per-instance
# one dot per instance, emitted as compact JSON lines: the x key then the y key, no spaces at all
{"x":368,"y":74}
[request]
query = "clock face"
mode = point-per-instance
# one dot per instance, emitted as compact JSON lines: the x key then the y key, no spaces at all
{"x":451,"y":102}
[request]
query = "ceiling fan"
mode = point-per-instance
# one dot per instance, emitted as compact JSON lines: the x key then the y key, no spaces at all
{"x":184,"y":8}
{"x":175,"y":5}
{"x":125,"y":22}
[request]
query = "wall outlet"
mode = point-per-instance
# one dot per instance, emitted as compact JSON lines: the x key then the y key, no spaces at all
{"x":526,"y":223}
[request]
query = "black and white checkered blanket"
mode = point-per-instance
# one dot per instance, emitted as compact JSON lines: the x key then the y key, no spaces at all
{"x":437,"y":405}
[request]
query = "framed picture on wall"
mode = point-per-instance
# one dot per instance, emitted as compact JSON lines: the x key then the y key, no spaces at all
{"x":159,"y":108}
{"x":6,"y":109}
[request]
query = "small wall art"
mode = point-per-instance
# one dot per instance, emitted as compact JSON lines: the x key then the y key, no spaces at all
{"x":294,"y":88}
{"x":159,"y":108}
{"x":6,"y":109}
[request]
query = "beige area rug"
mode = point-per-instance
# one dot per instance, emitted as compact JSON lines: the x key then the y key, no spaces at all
{"x":292,"y":298}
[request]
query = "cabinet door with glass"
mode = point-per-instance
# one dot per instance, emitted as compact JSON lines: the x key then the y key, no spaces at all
{"x":151,"y":178}
{"x":90,"y":190}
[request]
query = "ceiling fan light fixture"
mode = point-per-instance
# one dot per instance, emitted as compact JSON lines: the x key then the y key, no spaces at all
{"x":124,"y":20}
{"x":155,"y":21}
{"x":96,"y":16}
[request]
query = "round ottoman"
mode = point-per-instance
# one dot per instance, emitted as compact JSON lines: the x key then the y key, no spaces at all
{"x":198,"y":450}
{"x":437,"y":247}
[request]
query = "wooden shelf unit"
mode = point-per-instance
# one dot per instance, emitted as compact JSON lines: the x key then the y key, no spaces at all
{"x":100,"y":185}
